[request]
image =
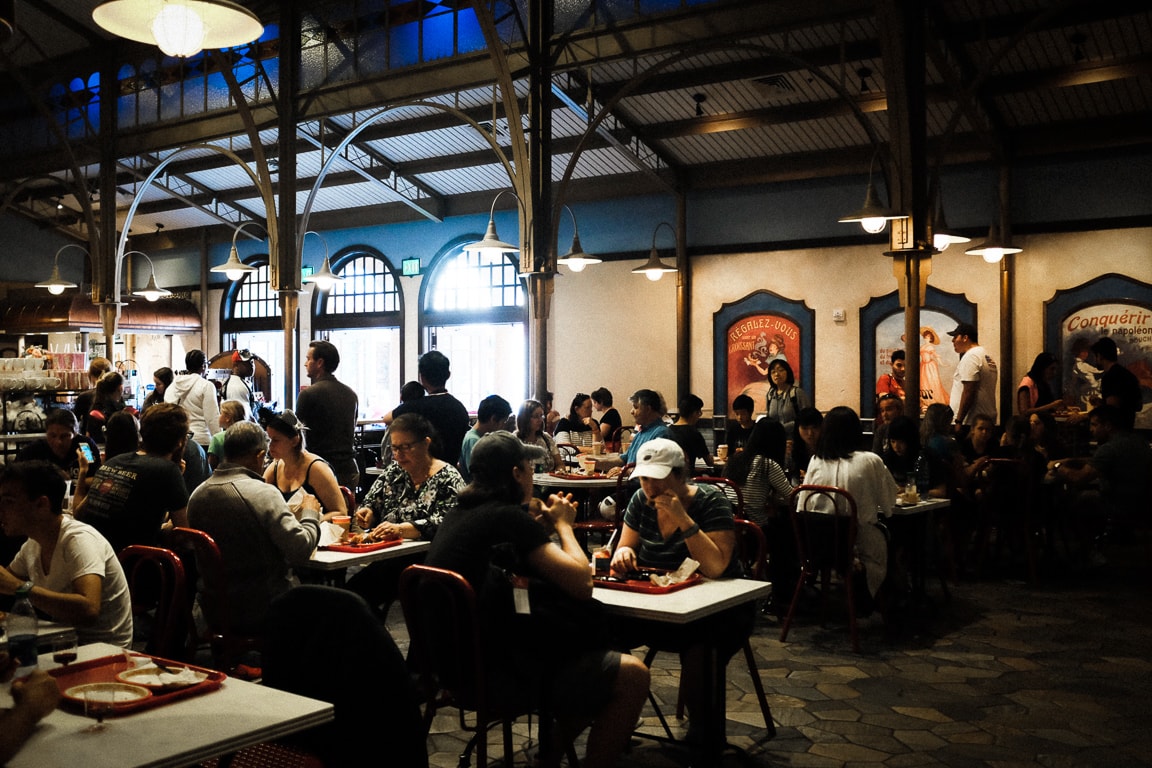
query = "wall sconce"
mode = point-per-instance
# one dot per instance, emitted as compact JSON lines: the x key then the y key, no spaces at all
{"x":151,"y":291}
{"x":576,"y":259}
{"x":234,"y":268}
{"x":993,"y":249}
{"x":180,"y":27}
{"x":56,"y":284}
{"x":492,"y":244}
{"x":325,"y":278}
{"x":654,"y":269}
{"x":873,"y":216}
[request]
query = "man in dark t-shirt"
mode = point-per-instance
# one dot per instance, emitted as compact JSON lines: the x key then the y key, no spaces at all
{"x":134,"y":493}
{"x":60,"y":443}
{"x":1118,"y":386}
{"x":448,"y":415}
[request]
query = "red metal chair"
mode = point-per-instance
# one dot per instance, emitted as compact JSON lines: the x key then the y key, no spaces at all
{"x":157,"y":586}
{"x":349,"y":500}
{"x":752,"y":549}
{"x":730,"y":490}
{"x":228,"y":647}
{"x":826,"y":543}
{"x":446,"y":652}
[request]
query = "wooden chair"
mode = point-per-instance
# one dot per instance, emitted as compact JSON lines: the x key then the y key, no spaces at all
{"x":826,"y":543}
{"x":446,"y":653}
{"x":227,"y":646}
{"x":730,"y":490}
{"x":157,"y":586}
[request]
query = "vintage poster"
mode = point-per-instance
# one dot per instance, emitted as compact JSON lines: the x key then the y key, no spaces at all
{"x":754,"y":342}
{"x":937,"y":360}
{"x":1130,"y":326}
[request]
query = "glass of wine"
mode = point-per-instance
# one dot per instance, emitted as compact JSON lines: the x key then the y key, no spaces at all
{"x":98,"y":704}
{"x":64,"y":649}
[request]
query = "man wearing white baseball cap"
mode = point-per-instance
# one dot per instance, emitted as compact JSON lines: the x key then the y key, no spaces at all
{"x":666,"y":521}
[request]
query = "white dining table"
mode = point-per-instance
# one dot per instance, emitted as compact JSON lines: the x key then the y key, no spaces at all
{"x":185,"y":732}
{"x":328,"y":560}
{"x":684,"y":605}
{"x":548,"y":480}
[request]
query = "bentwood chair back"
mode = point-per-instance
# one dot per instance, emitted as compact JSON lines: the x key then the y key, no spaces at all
{"x":349,"y":500}
{"x":730,"y":490}
{"x":446,"y":653}
{"x":227,"y":645}
{"x":157,"y":587}
{"x":826,"y":544}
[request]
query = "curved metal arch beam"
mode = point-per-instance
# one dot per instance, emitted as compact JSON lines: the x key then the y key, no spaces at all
{"x":371,"y":119}
{"x":636,"y":82}
{"x":266,"y":196}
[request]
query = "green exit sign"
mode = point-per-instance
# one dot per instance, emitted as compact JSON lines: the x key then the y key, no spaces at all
{"x":410,"y":267}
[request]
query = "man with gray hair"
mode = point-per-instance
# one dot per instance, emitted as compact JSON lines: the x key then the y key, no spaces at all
{"x":648,"y":413}
{"x":258,"y":536}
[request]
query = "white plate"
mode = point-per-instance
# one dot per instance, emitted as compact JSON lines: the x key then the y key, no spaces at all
{"x":113,"y":693}
{"x":151,"y":676}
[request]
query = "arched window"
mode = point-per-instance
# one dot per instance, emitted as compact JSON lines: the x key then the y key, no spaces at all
{"x":251,"y":319}
{"x":361,"y":316}
{"x":476,"y":313}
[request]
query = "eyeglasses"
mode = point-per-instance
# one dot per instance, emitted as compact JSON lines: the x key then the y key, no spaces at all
{"x":406,"y":447}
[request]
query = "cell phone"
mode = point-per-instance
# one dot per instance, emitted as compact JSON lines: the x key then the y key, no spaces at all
{"x":86,"y":449}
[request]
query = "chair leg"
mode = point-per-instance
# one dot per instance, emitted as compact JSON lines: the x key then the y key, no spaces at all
{"x":754,"y":671}
{"x":800,"y":582}
{"x":649,"y":657}
{"x":507,"y":728}
{"x":849,"y":587}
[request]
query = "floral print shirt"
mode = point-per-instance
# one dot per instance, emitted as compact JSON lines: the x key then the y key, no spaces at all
{"x":393,"y":498}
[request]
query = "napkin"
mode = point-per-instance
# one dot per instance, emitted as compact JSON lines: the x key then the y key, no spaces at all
{"x":330,"y":533}
{"x":686,"y":569}
{"x":153,"y":675}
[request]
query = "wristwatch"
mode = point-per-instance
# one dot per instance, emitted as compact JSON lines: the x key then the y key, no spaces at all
{"x":23,"y":589}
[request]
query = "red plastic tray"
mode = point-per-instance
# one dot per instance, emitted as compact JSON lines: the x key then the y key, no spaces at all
{"x":105,"y":669}
{"x":357,"y":548}
{"x":647,"y":586}
{"x":566,"y":476}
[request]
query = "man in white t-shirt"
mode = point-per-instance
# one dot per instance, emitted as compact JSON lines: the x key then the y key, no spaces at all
{"x":974,"y":383}
{"x":84,"y":584}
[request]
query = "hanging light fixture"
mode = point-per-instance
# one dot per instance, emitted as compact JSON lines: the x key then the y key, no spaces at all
{"x":576,"y":259}
{"x":492,"y":244}
{"x":234,"y":268}
{"x":325,"y":278}
{"x":874,"y":216}
{"x":993,"y":249}
{"x":180,"y":27}
{"x":56,"y":284}
{"x":151,"y":291}
{"x":941,"y":236}
{"x":654,"y":269}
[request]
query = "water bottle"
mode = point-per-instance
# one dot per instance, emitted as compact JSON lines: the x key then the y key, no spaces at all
{"x":922,"y":481}
{"x":20,"y":626}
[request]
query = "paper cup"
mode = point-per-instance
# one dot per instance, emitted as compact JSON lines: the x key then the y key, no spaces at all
{"x":722,"y":452}
{"x":589,"y":466}
{"x":344,"y":521}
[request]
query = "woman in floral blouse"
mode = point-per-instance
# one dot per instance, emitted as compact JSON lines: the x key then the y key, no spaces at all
{"x":415,"y":491}
{"x":409,"y":500}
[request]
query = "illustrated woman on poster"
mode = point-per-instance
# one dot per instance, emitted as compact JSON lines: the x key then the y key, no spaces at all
{"x":932,"y":390}
{"x":765,"y":351}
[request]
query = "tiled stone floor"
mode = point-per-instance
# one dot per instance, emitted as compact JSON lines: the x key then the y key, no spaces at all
{"x":1007,"y":674}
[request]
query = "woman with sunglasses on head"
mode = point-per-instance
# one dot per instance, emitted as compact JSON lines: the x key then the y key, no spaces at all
{"x":296,"y":472}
